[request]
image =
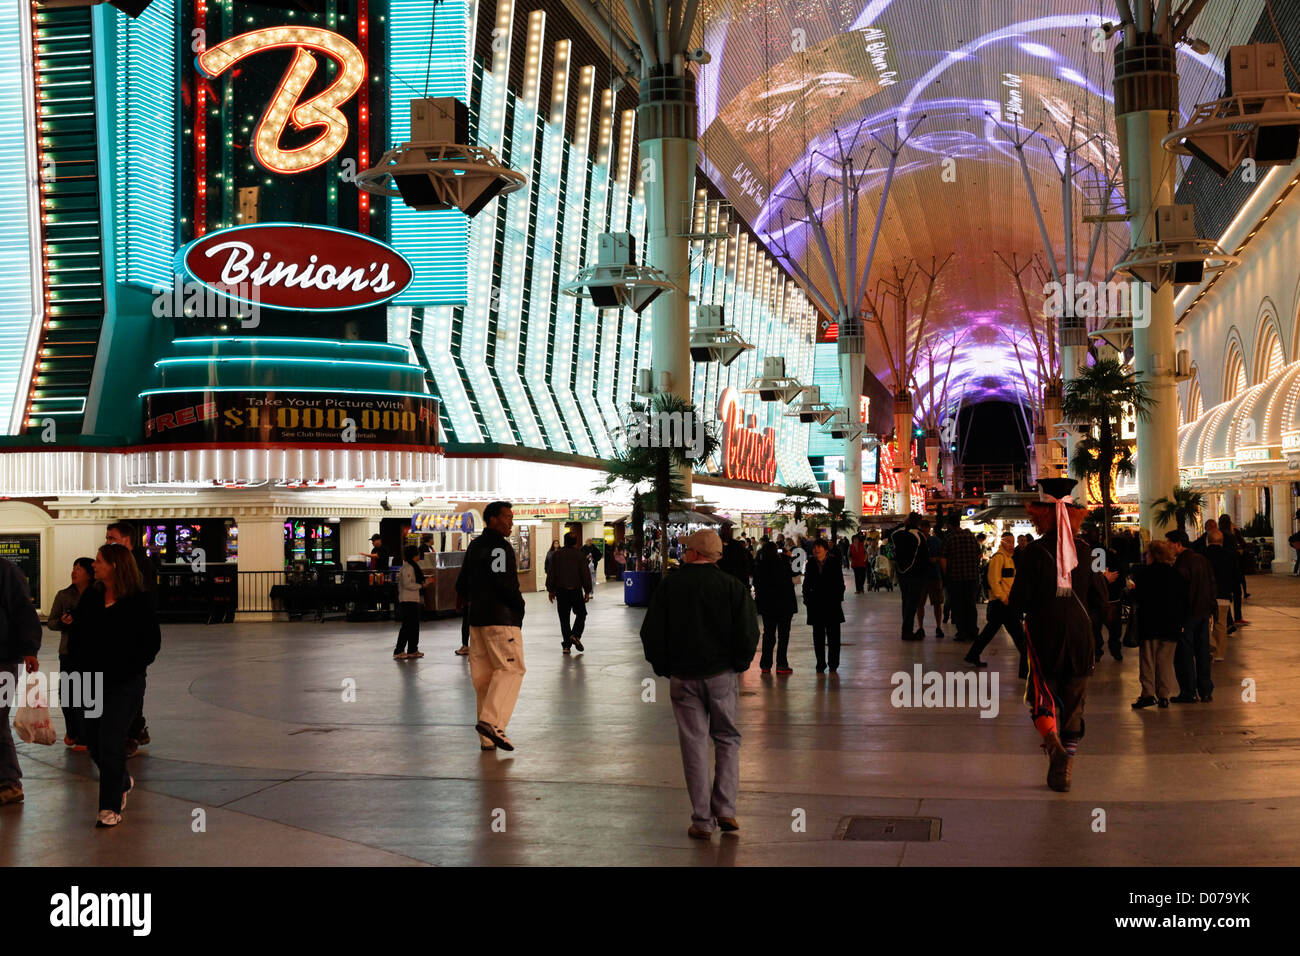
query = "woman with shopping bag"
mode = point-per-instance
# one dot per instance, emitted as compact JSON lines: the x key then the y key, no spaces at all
{"x":114,"y":632}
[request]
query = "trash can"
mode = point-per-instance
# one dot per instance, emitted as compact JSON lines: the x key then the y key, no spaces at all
{"x":638,"y":586}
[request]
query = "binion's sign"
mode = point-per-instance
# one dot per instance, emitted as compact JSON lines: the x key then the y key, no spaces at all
{"x":747,"y":453}
{"x":284,"y":265}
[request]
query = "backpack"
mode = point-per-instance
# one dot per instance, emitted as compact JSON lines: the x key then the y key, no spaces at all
{"x":907,"y":549}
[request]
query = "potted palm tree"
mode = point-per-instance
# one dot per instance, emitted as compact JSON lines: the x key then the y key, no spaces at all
{"x":662,"y":437}
{"x":1096,"y":400}
{"x":1183,"y":508}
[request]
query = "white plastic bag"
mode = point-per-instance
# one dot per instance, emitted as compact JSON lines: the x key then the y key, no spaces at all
{"x":32,"y":719}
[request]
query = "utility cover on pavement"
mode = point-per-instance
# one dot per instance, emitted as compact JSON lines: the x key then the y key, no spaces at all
{"x":891,"y":829}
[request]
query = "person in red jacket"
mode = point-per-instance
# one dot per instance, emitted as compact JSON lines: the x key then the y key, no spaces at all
{"x":858,"y":560}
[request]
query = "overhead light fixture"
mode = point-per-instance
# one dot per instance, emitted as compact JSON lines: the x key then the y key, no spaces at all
{"x":437,"y":170}
{"x":385,"y":505}
{"x":414,"y":501}
{"x":842,"y":427}
{"x":811,"y":408}
{"x":774,"y":385}
{"x":1178,"y":255}
{"x":616,"y":281}
{"x":712,"y":341}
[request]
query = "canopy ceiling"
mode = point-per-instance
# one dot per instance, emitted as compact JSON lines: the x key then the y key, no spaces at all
{"x":791,"y":82}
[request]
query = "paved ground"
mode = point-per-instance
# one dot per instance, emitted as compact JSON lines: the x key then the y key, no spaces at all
{"x":250,"y":727}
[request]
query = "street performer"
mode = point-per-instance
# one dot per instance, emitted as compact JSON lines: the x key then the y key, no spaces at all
{"x":1053,"y":584}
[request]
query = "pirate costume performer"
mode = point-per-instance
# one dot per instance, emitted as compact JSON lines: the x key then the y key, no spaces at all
{"x":1053,"y":590}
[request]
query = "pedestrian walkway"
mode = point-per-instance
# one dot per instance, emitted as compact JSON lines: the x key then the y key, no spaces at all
{"x":250,"y":726}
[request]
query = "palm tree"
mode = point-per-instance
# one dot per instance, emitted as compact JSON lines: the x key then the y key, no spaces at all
{"x":652,"y":468}
{"x":1185,"y":508}
{"x":835,"y":519}
{"x":1096,"y":400}
{"x":802,"y":499}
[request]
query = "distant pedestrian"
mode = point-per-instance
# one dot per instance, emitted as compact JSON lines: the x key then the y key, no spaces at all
{"x":774,"y":595}
{"x":823,"y":598}
{"x":114,"y":633}
{"x":910,"y":562}
{"x":1192,"y":659}
{"x":961,"y":568}
{"x":1160,"y":596}
{"x":1226,"y":566}
{"x":735,"y":560}
{"x":858,"y":560}
{"x":411,"y":585}
{"x":20,"y":642}
{"x":933,"y":587}
{"x":60,"y":619}
{"x":1001,"y":576}
{"x":700,"y":631}
{"x":488,"y":588}
{"x":568,"y":587}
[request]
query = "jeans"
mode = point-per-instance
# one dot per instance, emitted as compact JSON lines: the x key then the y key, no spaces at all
{"x":776,"y":632}
{"x":570,"y":601}
{"x":706,"y":708}
{"x":106,"y":737}
{"x":823,"y":635}
{"x":71,"y":715}
{"x":859,"y":578}
{"x":408,"y":636}
{"x":912,"y":588}
{"x":9,"y":770}
{"x":1192,"y":659}
{"x":961,"y":594}
{"x":997,"y":617}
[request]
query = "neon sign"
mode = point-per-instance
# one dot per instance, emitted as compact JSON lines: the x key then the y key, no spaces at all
{"x":321,"y":110}
{"x":747,"y":453}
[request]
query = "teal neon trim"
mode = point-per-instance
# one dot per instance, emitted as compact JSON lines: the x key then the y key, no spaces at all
{"x":195,"y":389}
{"x":290,"y":338}
{"x":284,"y":360}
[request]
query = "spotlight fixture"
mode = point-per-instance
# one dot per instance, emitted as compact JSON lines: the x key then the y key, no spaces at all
{"x":841,"y":427}
{"x":1258,"y":117}
{"x":774,"y":385}
{"x":714,"y":342}
{"x":811,"y":408}
{"x":436,"y":170}
{"x":1178,"y":255}
{"x":414,"y":501}
{"x":616,"y":281}
{"x":385,"y":505}
{"x":94,"y":499}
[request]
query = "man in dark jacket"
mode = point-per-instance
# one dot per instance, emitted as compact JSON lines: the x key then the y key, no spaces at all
{"x":910,"y":562}
{"x":1192,"y":659}
{"x":568,"y":582}
{"x":20,"y":640}
{"x":1226,"y":565}
{"x":488,"y":590}
{"x":700,"y":631}
{"x":736,"y":559}
{"x":823,"y":599}
{"x":1053,"y":587}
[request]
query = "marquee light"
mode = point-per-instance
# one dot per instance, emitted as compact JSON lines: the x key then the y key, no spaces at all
{"x":321,"y":110}
{"x":747,"y":453}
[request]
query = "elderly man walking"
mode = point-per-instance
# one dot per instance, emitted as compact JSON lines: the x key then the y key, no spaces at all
{"x":700,"y":631}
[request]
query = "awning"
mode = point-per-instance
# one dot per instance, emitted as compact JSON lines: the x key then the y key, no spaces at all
{"x":1254,"y":435}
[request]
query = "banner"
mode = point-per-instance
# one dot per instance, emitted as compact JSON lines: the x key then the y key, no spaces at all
{"x":587,"y":513}
{"x":24,"y":552}
{"x":220,"y":418}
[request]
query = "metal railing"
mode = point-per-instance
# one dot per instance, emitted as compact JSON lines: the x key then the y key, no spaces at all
{"x":216,"y":595}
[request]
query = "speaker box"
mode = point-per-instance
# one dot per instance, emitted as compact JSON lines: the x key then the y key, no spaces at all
{"x":1212,"y":161}
{"x":1277,"y":145}
{"x":475,"y":203}
{"x":419,"y":192}
{"x":604,"y":297}
{"x":1188,"y":273}
{"x":441,"y":119}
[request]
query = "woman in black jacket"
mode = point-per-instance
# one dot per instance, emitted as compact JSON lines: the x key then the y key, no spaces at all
{"x":823,"y":596}
{"x":65,"y":602}
{"x":115,"y":633}
{"x":774,"y":595}
{"x":1161,"y":597}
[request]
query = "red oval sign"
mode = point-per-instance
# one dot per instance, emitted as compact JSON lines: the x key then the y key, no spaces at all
{"x":288,"y":266}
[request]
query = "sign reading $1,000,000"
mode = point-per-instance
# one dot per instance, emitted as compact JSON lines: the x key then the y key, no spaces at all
{"x":218,"y":418}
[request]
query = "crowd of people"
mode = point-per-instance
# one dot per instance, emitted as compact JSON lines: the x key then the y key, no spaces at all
{"x":107,"y":620}
{"x":1063,"y":596}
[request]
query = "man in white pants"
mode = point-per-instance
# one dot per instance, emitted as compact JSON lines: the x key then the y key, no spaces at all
{"x":488,"y":593}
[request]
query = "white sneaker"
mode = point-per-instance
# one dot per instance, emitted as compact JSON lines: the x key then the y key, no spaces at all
{"x":107,"y":818}
{"x":130,"y":785}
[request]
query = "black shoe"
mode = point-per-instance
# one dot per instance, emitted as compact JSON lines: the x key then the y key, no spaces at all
{"x":821,"y":669}
{"x":494,"y":734}
{"x":1164,"y":702}
{"x":1184,"y":699}
{"x":1207,"y":698}
{"x":975,"y":662}
{"x":577,"y":645}
{"x":1144,"y":702}
{"x":144,"y":737}
{"x":938,"y":633}
{"x":919,"y":634}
